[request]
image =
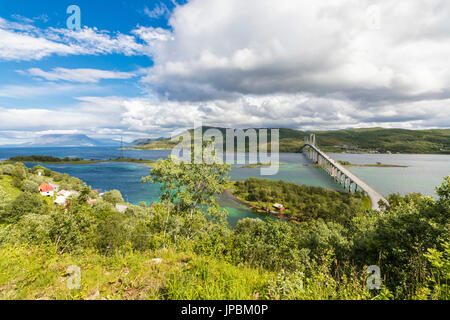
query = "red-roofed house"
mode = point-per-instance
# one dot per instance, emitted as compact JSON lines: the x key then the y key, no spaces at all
{"x":46,"y":190}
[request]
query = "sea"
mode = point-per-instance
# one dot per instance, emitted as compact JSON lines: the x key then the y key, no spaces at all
{"x":421,"y":173}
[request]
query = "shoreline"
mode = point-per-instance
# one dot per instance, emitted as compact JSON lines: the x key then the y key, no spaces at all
{"x":229,"y":193}
{"x":142,"y":161}
{"x":324,"y":150}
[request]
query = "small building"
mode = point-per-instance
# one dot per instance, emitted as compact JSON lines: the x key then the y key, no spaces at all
{"x":121,"y":208}
{"x":60,"y":200}
{"x":66,"y":193}
{"x":62,"y":196}
{"x":46,"y":190}
{"x":279,"y":206}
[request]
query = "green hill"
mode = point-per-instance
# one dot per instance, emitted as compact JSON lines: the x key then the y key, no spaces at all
{"x":382,"y":140}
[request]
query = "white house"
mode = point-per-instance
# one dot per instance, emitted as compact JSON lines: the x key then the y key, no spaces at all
{"x":61,"y":196}
{"x":46,"y":190}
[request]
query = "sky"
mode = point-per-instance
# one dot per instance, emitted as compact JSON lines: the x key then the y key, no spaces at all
{"x":152,"y":68}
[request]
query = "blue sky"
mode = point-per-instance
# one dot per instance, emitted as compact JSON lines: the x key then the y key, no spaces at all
{"x":114,"y":16}
{"x":152,"y":68}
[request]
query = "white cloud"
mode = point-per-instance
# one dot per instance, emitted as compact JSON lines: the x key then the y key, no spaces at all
{"x":45,"y":90}
{"x":152,"y":35}
{"x":158,"y":11}
{"x":298,"y":64}
{"x":150,"y":117}
{"x":233,"y":47}
{"x":26,"y":42}
{"x":79,"y":75}
{"x":44,"y":119}
{"x":21,"y":46}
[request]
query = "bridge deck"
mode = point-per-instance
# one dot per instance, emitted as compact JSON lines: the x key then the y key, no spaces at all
{"x":373,"y":194}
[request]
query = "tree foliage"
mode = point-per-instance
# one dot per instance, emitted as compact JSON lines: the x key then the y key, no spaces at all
{"x":323,"y":256}
{"x":114,"y":197}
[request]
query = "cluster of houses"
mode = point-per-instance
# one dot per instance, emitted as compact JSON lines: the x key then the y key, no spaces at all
{"x":62,"y":196}
{"x":49,"y":190}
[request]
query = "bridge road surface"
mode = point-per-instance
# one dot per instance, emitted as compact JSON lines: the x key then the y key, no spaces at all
{"x":373,"y":194}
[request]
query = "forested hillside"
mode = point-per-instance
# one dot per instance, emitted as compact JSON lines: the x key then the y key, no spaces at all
{"x":363,"y":140}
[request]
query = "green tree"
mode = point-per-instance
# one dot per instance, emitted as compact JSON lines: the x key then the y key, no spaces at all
{"x":191,"y":187}
{"x":114,"y":197}
{"x":439,"y":281}
{"x":167,"y":173}
{"x":3,"y":200}
{"x":19,"y":174}
{"x":20,"y":171}
{"x":443,"y":191}
{"x":35,"y":228}
{"x":200,"y":183}
{"x":30,"y":186}
{"x":111,"y":233}
{"x":398,"y":240}
{"x":70,"y":230}
{"x":25,"y":203}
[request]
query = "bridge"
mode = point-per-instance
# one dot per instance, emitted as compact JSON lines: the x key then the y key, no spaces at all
{"x":340,"y":174}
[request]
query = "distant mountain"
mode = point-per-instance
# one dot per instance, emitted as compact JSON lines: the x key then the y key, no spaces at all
{"x":145,"y":141}
{"x":69,"y":140}
{"x":351,"y":140}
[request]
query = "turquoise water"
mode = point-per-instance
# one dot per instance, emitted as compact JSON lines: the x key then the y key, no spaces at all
{"x":423,"y":173}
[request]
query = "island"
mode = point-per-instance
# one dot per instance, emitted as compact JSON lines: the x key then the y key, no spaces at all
{"x":262,"y":164}
{"x":378,"y":164}
{"x":67,"y":160}
{"x":293,"y":202}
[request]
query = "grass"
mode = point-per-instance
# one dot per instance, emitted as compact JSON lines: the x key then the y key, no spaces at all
{"x":6,"y":184}
{"x":40,"y":273}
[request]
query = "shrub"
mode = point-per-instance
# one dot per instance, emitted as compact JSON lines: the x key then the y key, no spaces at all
{"x":34,"y":228}
{"x":25,"y":203}
{"x":30,"y":186}
{"x":111,"y":233}
{"x":114,"y":197}
{"x":71,"y":230}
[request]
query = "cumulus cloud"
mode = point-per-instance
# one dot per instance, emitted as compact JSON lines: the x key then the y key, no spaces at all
{"x":258,"y":63}
{"x":308,"y":64}
{"x":152,"y":117}
{"x":27,"y":42}
{"x":321,"y":47}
